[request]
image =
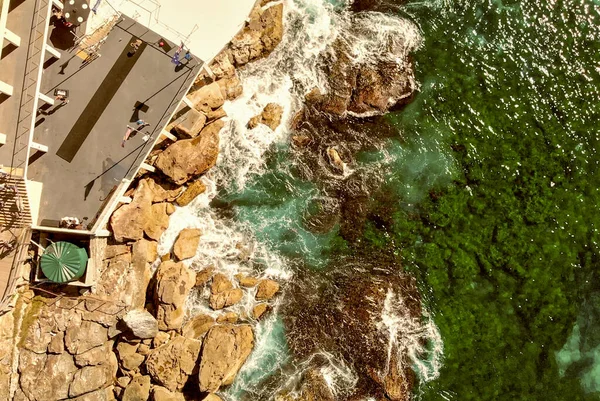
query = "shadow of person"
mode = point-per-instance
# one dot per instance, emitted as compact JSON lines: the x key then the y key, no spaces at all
{"x":56,"y":108}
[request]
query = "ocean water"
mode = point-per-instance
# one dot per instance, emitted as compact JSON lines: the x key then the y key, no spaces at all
{"x":485,"y":189}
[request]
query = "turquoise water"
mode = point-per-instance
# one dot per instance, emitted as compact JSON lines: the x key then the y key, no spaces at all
{"x":490,"y":198}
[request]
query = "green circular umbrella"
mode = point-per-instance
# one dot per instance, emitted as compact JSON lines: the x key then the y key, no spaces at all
{"x":63,"y":262}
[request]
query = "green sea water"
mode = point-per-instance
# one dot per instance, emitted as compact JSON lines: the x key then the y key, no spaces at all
{"x":490,"y":198}
{"x":505,"y":239}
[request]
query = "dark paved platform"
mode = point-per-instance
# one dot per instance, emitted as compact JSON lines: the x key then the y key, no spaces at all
{"x":86,"y":161}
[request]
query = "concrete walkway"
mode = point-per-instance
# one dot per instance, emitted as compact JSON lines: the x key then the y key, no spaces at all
{"x":205,"y":26}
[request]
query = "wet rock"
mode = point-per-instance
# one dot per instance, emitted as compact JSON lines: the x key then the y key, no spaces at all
{"x":246,"y":281}
{"x":224,"y":351}
{"x":173,"y":363}
{"x":368,"y":88}
{"x":204,"y":275}
{"x":198,"y":326}
{"x":84,"y":337}
{"x":270,"y":116}
{"x":141,"y":323}
{"x":187,"y":243}
{"x":159,"y":220}
{"x":163,"y":394}
{"x":189,"y":124}
{"x":226,"y":298}
{"x":229,"y":317}
{"x":188,"y":158}
{"x":138,"y":389}
{"x":128,"y":221}
{"x":266,"y":289}
{"x":259,"y":310}
{"x":311,"y":387}
{"x":258,"y":39}
{"x":174,"y":282}
{"x":191,"y":192}
{"x":207,"y":98}
{"x":335,"y":160}
{"x":220,"y":283}
{"x":300,"y":141}
{"x":45,"y":377}
{"x":341,"y":321}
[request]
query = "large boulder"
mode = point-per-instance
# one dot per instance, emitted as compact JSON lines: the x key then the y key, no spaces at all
{"x":187,"y":243}
{"x":159,"y":220}
{"x":226,"y":298}
{"x":125,"y":282}
{"x":138,"y":389}
{"x":224,"y":351}
{"x":189,"y":124}
{"x":260,"y":36}
{"x":270,"y":116}
{"x":172,"y":364}
{"x":128,"y":221}
{"x":191,"y":192}
{"x":84,"y":337}
{"x":220,"y":283}
{"x":174,"y":282}
{"x":221,"y":66}
{"x":384,"y":81}
{"x":101,"y":355}
{"x":198,"y":326}
{"x":266,"y":289}
{"x":45,"y":377}
{"x":163,"y":191}
{"x":188,"y":158}
{"x":230,"y":87}
{"x":90,"y":378}
{"x":207,"y":98}
{"x":222,"y":292}
{"x":141,"y":323}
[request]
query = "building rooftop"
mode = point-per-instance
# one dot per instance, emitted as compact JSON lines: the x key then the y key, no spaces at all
{"x":86,"y":158}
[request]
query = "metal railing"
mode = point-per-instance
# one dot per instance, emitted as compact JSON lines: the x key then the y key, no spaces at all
{"x":29,"y":94}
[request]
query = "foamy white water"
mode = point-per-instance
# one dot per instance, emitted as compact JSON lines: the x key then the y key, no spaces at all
{"x":291,"y":71}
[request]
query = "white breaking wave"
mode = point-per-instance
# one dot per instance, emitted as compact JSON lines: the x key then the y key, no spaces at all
{"x":285,"y":77}
{"x":417,"y":337}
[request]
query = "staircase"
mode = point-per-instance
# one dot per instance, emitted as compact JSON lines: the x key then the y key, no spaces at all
{"x":14,"y":203}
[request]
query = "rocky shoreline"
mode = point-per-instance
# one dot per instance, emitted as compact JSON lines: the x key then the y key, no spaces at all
{"x":133,"y":338}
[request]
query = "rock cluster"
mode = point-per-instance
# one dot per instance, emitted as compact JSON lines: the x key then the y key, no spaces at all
{"x":65,"y":353}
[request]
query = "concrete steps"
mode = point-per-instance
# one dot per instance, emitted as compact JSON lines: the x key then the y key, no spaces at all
{"x":14,"y":203}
